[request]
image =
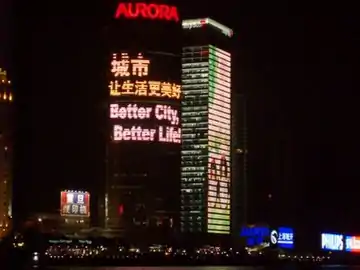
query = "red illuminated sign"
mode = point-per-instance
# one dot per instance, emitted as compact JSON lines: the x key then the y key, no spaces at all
{"x":147,"y":11}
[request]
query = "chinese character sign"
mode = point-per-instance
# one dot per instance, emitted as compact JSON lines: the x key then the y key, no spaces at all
{"x":131,"y":77}
{"x":285,"y":237}
{"x":74,"y":203}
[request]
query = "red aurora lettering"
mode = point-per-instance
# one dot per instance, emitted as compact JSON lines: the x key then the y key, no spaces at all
{"x":147,"y":11}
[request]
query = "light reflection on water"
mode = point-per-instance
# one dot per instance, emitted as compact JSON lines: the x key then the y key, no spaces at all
{"x":288,"y":267}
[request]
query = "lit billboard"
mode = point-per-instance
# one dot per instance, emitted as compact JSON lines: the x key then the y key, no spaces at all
{"x":75,"y":203}
{"x":145,"y":123}
{"x":330,"y":241}
{"x":352,"y":243}
{"x":255,"y":235}
{"x":131,"y":77}
{"x":283,"y":237}
{"x":219,"y":141}
{"x":147,"y":11}
{"x":155,"y":116}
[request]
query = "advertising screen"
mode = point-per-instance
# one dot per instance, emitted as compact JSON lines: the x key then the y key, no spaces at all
{"x":154,"y":117}
{"x":255,"y":235}
{"x":145,"y":122}
{"x":352,"y":243}
{"x":219,"y":134}
{"x":137,"y":76}
{"x":75,"y":203}
{"x":331,"y":241}
{"x":283,"y":237}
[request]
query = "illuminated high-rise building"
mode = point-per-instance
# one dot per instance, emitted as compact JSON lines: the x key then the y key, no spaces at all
{"x":6,"y":99}
{"x":206,"y":128}
{"x":143,"y":111}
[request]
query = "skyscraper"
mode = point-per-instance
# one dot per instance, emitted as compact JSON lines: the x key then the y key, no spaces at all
{"x":206,"y":126}
{"x":143,"y":111}
{"x":6,"y":99}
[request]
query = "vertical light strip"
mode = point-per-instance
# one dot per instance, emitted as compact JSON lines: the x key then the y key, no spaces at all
{"x":219,"y":141}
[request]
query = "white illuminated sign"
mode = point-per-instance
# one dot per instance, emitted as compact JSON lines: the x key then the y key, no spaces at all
{"x":169,"y":133}
{"x":274,"y":237}
{"x":133,"y":111}
{"x":332,"y":241}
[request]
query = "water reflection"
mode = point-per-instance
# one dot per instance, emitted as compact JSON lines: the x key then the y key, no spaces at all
{"x":285,"y":267}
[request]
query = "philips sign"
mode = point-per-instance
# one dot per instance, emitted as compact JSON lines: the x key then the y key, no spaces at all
{"x":331,"y":241}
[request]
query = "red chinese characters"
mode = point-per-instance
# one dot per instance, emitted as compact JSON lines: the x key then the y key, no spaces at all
{"x":147,"y":11}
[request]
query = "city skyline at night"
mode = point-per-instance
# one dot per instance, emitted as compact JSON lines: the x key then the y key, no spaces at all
{"x":296,"y":74}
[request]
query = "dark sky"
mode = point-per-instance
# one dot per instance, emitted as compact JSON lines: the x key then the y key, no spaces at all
{"x":298,"y":72}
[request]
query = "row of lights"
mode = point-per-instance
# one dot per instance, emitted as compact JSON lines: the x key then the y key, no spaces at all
{"x":6,"y":96}
{"x":5,"y":82}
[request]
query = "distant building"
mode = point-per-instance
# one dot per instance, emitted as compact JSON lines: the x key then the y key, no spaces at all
{"x":6,"y":98}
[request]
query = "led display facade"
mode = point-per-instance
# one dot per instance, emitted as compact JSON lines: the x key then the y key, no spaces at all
{"x":75,"y":203}
{"x":143,"y":118}
{"x":145,"y":121}
{"x":219,"y":141}
{"x":144,"y":126}
{"x":163,"y":126}
{"x":206,"y":147}
{"x":130,"y":78}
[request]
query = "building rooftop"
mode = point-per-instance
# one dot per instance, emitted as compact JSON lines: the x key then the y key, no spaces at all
{"x":198,"y":23}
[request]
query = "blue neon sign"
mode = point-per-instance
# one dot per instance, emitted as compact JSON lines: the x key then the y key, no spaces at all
{"x":285,"y":237}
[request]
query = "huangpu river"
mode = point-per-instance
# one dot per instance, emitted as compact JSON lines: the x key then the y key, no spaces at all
{"x":285,"y":267}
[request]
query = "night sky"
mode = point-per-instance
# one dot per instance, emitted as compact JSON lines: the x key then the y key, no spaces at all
{"x":298,"y":73}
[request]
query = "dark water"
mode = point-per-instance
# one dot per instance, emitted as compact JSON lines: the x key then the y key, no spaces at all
{"x":289,"y":267}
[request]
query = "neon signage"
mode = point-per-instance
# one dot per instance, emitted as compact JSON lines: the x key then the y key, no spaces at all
{"x":75,"y":203}
{"x":124,"y":67}
{"x":352,"y":243}
{"x":283,"y":237}
{"x":169,"y":133}
{"x":147,"y":11}
{"x":331,"y":241}
{"x":144,"y":88}
{"x":121,"y":67}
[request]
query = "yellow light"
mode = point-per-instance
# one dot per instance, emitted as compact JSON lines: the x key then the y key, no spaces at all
{"x":124,"y":67}
{"x":145,"y":88}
